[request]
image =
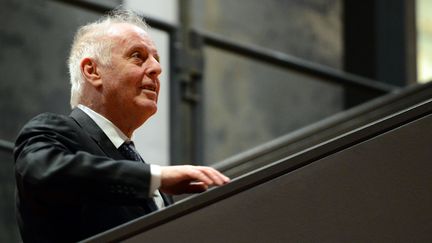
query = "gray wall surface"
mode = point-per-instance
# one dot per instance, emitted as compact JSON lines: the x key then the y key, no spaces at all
{"x":247,"y":102}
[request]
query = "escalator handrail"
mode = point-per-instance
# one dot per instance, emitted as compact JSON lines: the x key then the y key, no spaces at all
{"x":266,"y":173}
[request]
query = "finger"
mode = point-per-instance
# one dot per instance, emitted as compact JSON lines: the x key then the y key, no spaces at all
{"x":199,"y":175}
{"x":213,"y":175}
{"x":221,"y":176}
{"x":226,"y":179}
{"x":217,"y":177}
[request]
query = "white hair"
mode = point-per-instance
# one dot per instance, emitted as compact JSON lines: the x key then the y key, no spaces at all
{"x":89,"y":42}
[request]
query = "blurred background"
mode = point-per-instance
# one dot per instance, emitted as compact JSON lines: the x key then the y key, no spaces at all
{"x":236,"y":74}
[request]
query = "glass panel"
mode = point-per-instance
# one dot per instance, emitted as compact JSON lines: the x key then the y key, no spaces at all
{"x":310,"y":29}
{"x":424,"y":40}
{"x":166,"y":10}
{"x":248,"y":103}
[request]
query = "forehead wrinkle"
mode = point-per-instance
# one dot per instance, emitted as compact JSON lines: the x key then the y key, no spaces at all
{"x":143,"y":44}
{"x":124,"y":31}
{"x":126,"y":34}
{"x":118,"y":28}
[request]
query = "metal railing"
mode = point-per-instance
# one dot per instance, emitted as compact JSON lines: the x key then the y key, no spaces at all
{"x":293,"y":63}
{"x":6,"y":146}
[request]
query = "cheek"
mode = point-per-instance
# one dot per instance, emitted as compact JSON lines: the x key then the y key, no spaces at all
{"x":158,"y":86}
{"x":133,"y":78}
{"x":124,"y":83}
{"x":128,"y":82}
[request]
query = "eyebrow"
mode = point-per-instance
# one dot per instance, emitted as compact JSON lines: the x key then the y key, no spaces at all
{"x":148,"y":50}
{"x":157,"y":57}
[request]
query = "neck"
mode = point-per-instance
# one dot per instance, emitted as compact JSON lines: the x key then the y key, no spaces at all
{"x":122,"y":120}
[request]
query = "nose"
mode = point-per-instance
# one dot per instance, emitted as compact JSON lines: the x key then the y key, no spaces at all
{"x":154,"y":68}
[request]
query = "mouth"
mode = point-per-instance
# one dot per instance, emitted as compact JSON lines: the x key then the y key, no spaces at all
{"x":150,"y":87}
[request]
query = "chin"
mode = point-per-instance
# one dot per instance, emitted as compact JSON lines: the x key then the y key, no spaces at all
{"x":148,"y":108}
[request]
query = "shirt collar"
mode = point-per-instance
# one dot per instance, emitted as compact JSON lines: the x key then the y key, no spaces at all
{"x":114,"y":134}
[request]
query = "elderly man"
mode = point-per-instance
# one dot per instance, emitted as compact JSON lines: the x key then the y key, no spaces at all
{"x":79,"y":175}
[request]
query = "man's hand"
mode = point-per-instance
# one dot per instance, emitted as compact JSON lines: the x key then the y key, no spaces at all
{"x":189,"y":179}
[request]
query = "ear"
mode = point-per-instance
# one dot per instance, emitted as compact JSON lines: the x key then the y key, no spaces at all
{"x":90,"y":71}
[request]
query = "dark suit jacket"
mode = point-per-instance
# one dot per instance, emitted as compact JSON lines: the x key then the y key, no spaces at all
{"x":72,"y":182}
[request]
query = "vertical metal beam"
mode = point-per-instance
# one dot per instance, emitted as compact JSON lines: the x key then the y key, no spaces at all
{"x":186,"y":103}
{"x":379,"y":40}
{"x":175,"y":131}
{"x":359,"y":37}
{"x":395,"y":38}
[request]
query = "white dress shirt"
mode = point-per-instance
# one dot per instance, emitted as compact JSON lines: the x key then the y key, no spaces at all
{"x":117,"y":137}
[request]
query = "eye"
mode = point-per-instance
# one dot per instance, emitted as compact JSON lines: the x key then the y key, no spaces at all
{"x":137,"y":55}
{"x":156,"y":57}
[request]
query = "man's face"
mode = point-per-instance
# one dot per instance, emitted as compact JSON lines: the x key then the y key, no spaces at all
{"x":131,"y":84}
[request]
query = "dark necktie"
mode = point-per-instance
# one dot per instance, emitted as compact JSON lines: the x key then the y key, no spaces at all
{"x":127,"y":149}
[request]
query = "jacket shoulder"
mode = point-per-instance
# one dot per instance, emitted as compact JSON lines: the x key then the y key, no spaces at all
{"x":48,"y":124}
{"x":49,"y":121}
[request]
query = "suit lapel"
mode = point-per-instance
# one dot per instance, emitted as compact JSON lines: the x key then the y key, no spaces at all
{"x":88,"y":125}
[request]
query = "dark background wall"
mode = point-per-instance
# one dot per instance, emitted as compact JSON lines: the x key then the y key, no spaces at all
{"x":8,"y":227}
{"x":35,"y":37}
